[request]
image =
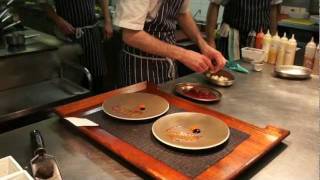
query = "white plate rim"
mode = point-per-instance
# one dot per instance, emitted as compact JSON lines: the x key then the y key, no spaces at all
{"x":188,"y":148}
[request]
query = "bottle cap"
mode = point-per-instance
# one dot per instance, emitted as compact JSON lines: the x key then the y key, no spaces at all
{"x":312,"y":44}
{"x":276,"y":37}
{"x":284,"y":37}
{"x":267,"y":36}
{"x":292,"y":40}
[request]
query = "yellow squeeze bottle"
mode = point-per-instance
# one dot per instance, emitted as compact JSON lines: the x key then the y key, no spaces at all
{"x":274,"y":49}
{"x":266,"y":44}
{"x":309,"y":54}
{"x":282,"y":50}
{"x":291,"y":51}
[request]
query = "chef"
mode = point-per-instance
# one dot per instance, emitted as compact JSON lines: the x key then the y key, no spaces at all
{"x":76,"y":21}
{"x":149,"y":51}
{"x":239,"y":18}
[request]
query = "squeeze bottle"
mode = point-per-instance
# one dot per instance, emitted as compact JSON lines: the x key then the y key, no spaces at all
{"x":290,"y":51}
{"x":282,"y":50}
{"x":309,"y":54}
{"x":266,"y":44}
{"x":274,"y":49}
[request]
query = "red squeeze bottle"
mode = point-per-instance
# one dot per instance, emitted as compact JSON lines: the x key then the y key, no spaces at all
{"x":259,"y":39}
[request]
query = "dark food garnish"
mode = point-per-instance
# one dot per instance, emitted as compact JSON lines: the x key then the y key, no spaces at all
{"x":196,"y":131}
{"x":142,"y":107}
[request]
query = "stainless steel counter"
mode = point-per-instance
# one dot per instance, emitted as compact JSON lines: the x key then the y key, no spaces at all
{"x":257,"y":98}
{"x":261,"y":99}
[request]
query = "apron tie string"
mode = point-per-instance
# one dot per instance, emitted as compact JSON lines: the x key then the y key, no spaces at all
{"x":80,"y":30}
{"x":172,"y":69}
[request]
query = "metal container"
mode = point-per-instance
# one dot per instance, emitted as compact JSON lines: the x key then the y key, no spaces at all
{"x":293,"y":72}
{"x":18,"y":39}
{"x":223,"y":73}
{"x":15,"y":39}
{"x":198,"y":92}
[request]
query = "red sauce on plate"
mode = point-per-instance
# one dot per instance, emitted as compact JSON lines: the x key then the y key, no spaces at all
{"x":199,"y":93}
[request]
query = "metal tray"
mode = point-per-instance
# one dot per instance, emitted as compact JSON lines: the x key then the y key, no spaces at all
{"x":293,"y":72}
{"x":198,"y":92}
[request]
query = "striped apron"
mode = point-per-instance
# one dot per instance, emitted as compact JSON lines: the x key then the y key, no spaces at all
{"x":245,"y":16}
{"x":81,"y":14}
{"x":136,"y":65}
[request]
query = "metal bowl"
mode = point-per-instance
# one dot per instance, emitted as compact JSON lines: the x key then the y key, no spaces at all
{"x":15,"y":39}
{"x":293,"y":72}
{"x":223,"y":73}
{"x":198,"y":92}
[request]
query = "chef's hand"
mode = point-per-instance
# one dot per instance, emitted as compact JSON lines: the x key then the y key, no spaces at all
{"x":214,"y":55}
{"x":65,"y":27}
{"x":108,"y":31}
{"x":196,"y":61}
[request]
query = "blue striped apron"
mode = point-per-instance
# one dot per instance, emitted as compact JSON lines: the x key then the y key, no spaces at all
{"x":81,"y":13}
{"x":136,"y":65}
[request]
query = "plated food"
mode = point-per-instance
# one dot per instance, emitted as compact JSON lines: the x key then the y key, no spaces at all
{"x":135,"y":106}
{"x":217,"y":77}
{"x":221,"y":78}
{"x":190,"y":131}
{"x":198,"y":92}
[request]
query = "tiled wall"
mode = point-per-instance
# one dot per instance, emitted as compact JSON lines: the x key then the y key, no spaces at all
{"x":199,"y":5}
{"x":297,"y":3}
{"x":202,"y":5}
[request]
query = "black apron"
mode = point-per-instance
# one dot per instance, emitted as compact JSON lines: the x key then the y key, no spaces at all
{"x":81,"y":13}
{"x":136,"y":65}
{"x":245,"y":16}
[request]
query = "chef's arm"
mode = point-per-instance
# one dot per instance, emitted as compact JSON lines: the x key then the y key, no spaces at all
{"x":275,"y":10}
{"x":62,"y":24}
{"x":147,"y":43}
{"x":212,"y":18}
{"x":104,"y":4}
{"x":190,"y":28}
{"x":50,"y":11}
{"x":108,"y":31}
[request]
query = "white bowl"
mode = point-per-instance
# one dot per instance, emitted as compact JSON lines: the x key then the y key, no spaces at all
{"x":8,"y":166}
{"x":257,"y":67}
{"x":253,"y":55}
{"x":21,"y":175}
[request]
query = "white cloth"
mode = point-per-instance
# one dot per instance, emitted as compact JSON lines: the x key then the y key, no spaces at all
{"x":222,"y":2}
{"x":81,"y":121}
{"x":232,"y":34}
{"x":132,"y":14}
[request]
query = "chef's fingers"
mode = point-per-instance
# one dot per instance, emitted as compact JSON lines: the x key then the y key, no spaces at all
{"x":208,"y":62}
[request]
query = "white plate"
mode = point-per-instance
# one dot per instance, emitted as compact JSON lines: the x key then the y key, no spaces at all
{"x":177,"y":130}
{"x":128,"y":106}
